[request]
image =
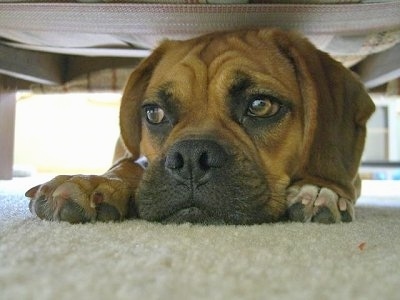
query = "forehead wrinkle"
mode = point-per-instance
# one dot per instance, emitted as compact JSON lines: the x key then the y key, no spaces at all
{"x":253,"y":55}
{"x":262,"y":80}
{"x":228,"y":61}
{"x":195,"y":78}
{"x":180,"y":53}
{"x":181,"y":82}
{"x":191,"y":83}
{"x":189,"y":77}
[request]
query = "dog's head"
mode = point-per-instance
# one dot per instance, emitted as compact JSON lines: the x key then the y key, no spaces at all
{"x":228,"y":121}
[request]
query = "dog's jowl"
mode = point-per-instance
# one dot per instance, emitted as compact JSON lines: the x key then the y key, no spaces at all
{"x":237,"y":127}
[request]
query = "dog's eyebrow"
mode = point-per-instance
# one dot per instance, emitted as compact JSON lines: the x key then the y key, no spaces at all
{"x":240,"y":85}
{"x":237,"y":94}
{"x":164,"y":97}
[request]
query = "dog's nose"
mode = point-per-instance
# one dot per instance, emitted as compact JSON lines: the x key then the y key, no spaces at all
{"x":193,"y":159}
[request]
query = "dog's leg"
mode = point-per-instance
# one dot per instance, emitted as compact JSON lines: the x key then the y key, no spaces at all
{"x":81,"y":198}
{"x":311,"y":203}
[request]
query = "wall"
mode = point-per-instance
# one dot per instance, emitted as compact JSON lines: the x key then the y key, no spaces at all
{"x":66,"y":133}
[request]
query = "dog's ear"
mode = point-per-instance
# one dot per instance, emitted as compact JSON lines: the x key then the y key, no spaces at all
{"x":336,"y":109}
{"x":130,"y":109}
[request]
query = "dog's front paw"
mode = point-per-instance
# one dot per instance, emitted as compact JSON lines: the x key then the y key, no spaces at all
{"x":310,"y":203}
{"x":79,"y":199}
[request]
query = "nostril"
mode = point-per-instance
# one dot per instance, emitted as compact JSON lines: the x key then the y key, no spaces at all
{"x":204,"y":162}
{"x":214,"y":158}
{"x":175,"y":161}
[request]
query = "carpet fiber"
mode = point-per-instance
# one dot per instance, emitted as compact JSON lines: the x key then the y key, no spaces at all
{"x":140,"y":260}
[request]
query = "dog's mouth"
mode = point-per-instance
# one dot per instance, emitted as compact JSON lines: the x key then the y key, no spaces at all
{"x":190,"y":215}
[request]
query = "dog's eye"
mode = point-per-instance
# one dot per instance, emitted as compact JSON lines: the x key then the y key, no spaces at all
{"x":263,"y":107}
{"x":154,"y":114}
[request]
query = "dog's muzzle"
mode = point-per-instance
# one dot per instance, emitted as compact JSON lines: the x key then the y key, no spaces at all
{"x":203,"y":181}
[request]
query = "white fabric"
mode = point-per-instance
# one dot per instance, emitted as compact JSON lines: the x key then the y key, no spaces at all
{"x":144,"y":25}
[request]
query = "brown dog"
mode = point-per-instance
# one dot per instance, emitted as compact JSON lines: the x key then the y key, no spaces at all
{"x":237,"y":127}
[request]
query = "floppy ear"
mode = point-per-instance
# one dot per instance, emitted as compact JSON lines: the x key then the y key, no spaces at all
{"x":336,"y":109}
{"x":130,"y":109}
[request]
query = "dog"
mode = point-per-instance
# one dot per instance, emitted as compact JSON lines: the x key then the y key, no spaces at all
{"x":239,"y":127}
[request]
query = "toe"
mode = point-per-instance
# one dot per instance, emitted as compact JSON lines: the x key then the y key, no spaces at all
{"x":107,"y":212}
{"x":40,"y":207}
{"x":324,"y":216}
{"x":346,"y":209}
{"x":296,"y":212}
{"x":73,"y":213}
{"x":301,"y":202}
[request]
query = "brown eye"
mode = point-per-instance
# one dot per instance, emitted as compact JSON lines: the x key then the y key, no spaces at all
{"x":154,"y":114}
{"x":263,"y":108}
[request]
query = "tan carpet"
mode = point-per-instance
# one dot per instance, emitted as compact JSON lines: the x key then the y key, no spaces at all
{"x":141,"y":260}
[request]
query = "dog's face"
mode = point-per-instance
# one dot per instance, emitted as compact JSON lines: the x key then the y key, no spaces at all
{"x":229,"y":121}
